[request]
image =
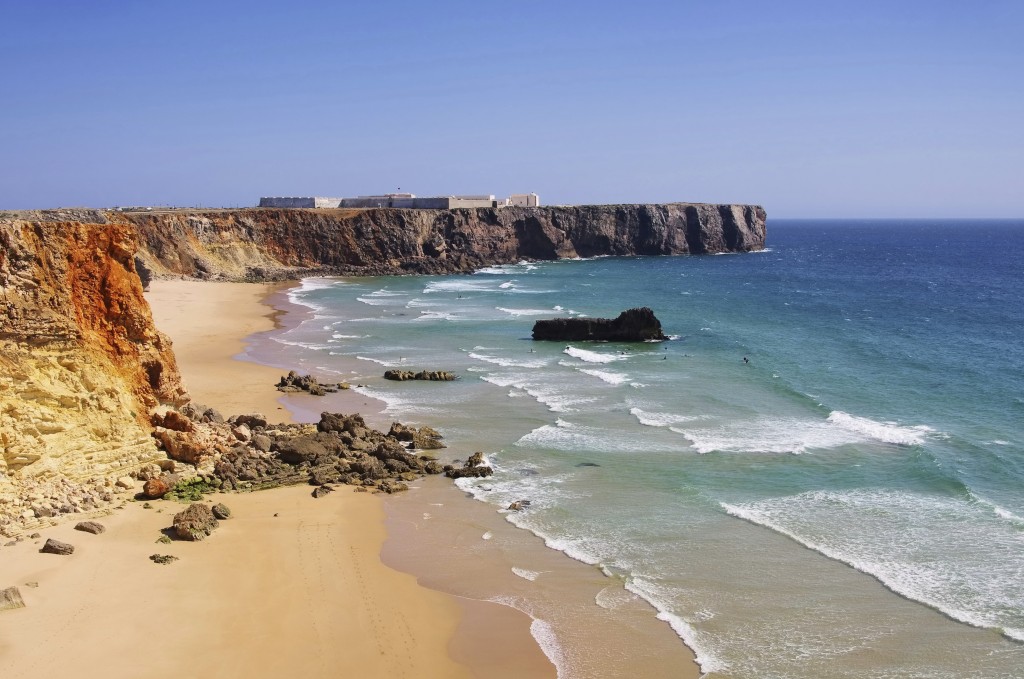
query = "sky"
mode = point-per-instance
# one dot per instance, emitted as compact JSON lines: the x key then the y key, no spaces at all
{"x":810,"y":109}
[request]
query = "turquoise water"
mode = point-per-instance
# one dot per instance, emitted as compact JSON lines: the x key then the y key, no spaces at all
{"x":849,"y":503}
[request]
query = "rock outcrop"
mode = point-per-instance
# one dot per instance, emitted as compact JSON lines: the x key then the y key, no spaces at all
{"x":422,"y":375}
{"x":81,"y":366}
{"x":266,"y":243}
{"x":195,"y":522}
{"x":293,"y":382}
{"x":52,"y":546}
{"x":632,"y":325}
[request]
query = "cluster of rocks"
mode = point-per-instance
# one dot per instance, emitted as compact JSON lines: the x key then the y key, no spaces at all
{"x":426,"y":375}
{"x":293,"y":382}
{"x":473,"y":468}
{"x":43,"y":501}
{"x":247,"y":453}
{"x":53,"y":546}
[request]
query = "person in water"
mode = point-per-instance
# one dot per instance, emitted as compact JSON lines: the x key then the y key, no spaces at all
{"x":746,"y":360}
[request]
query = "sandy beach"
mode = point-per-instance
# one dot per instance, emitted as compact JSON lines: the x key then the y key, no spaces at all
{"x":208,"y":323}
{"x":289,"y":585}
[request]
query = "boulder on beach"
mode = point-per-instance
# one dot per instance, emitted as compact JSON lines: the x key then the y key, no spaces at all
{"x":93,"y":527}
{"x":57,"y":547}
{"x":220,"y":511}
{"x":11,"y":598}
{"x":632,"y":325}
{"x":195,"y":522}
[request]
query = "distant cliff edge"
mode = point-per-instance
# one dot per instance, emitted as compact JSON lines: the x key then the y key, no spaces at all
{"x":269,"y":244}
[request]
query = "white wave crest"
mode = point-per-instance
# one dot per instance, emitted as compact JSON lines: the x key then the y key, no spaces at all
{"x":525,"y":312}
{"x":509,"y":362}
{"x":525,"y":574}
{"x":607,"y":375}
{"x":886,"y":432}
{"x":592,"y":356}
{"x":652,"y":419}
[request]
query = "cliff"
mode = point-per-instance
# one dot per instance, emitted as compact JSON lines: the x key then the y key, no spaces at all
{"x":81,"y":365}
{"x":263,"y":244}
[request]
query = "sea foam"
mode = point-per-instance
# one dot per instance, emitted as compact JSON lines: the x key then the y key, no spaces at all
{"x":948,"y":553}
{"x":592,"y":356}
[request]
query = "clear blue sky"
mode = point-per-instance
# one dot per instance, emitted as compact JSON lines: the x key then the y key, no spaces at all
{"x":808,"y":108}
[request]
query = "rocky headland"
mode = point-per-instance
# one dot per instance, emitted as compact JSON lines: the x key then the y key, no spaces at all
{"x":271,"y":244}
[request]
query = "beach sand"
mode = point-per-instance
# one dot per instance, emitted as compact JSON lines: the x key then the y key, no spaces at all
{"x":289,"y":586}
{"x":208,"y":323}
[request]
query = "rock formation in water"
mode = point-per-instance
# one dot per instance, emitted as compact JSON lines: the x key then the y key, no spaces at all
{"x":632,"y":325}
{"x":265,"y":244}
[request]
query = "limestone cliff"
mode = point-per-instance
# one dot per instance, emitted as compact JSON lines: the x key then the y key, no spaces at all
{"x":81,"y":365}
{"x":261,"y":244}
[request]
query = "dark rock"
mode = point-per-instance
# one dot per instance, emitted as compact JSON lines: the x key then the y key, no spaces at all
{"x":424,"y":438}
{"x":195,"y":522}
{"x":519,"y":505}
{"x":162,"y":558}
{"x":293,"y":382}
{"x":633,"y":325}
{"x":336,"y":422}
{"x":588,"y":464}
{"x":10,"y":598}
{"x":261,"y":442}
{"x":57,"y":547}
{"x":220,"y":511}
{"x":93,"y":527}
{"x":212,"y":415}
{"x":474,"y":468}
{"x":252,"y":420}
{"x":425,"y":375}
{"x":320,"y":491}
{"x":300,"y":449}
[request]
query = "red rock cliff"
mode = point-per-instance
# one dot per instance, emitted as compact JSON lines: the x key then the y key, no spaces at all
{"x":81,"y":365}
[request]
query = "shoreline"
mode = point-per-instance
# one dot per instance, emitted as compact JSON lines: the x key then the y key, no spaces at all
{"x":485,"y":557}
{"x":487,"y":638}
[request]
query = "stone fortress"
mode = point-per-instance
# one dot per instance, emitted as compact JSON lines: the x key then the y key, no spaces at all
{"x":403,"y":200}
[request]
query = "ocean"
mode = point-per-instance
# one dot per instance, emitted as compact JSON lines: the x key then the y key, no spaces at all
{"x":847,"y":503}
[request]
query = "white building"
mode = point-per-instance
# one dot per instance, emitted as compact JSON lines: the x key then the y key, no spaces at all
{"x":524,"y":200}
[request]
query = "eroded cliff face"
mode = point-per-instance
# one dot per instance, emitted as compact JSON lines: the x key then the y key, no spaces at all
{"x":81,"y":366}
{"x":261,"y":244}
